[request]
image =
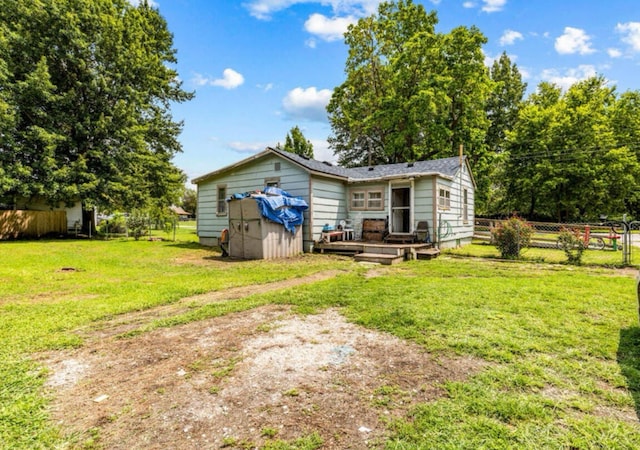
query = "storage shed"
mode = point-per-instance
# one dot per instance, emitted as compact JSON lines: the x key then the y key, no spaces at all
{"x":255,"y":233}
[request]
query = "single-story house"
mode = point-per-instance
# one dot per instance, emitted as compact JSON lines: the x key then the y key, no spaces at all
{"x":440,"y":192}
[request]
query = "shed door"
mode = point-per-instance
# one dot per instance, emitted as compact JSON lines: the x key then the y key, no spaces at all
{"x":401,"y":210}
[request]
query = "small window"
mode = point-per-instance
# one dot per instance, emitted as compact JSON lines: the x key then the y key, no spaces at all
{"x":444,"y":199}
{"x":221,"y":208}
{"x":465,"y":206}
{"x":367,"y":200}
{"x":357,"y":200}
{"x":272,"y":182}
{"x":374,"y":200}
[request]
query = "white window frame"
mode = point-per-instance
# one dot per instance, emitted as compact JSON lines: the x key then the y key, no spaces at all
{"x":361,"y":200}
{"x":221,"y":203}
{"x":465,"y":206}
{"x":371,"y":201}
{"x":368,"y":199}
{"x":272,"y":181}
{"x":444,"y":197}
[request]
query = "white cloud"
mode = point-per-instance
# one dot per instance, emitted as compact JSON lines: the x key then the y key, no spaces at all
{"x":230,"y":79}
{"x":265,"y":87}
{"x":614,"y":52}
{"x":630,"y":34}
{"x":322,"y":152}
{"x":264,"y":9}
{"x":574,"y":40}
{"x":328,"y":29}
{"x":200,"y":80}
{"x":493,"y":5}
{"x":247,"y":147}
{"x":570,"y":77}
{"x":308,"y":104}
{"x":509,"y":37}
{"x":469,"y":5}
{"x":488,"y":59}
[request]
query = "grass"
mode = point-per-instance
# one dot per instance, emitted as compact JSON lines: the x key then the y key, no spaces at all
{"x":604,"y":258}
{"x":41,"y":305}
{"x":560,"y":344}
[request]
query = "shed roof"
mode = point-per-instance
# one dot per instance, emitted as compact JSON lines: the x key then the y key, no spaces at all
{"x":179,"y":210}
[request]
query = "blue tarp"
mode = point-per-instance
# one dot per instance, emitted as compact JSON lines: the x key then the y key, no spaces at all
{"x":279,"y":206}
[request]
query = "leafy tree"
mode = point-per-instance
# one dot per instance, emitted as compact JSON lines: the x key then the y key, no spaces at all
{"x":190,"y":200}
{"x":502,"y":107}
{"x":89,"y":83}
{"x":410,"y":93}
{"x":295,"y":142}
{"x":564,"y":161}
{"x":503,"y":103}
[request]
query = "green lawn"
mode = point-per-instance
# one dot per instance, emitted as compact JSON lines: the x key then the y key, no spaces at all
{"x":605,"y":258}
{"x":562,"y":343}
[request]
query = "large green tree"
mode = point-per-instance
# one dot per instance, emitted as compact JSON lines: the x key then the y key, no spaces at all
{"x":88,"y":84}
{"x":295,"y":142}
{"x":565,"y":159}
{"x":410,"y":93}
{"x":502,"y":107}
{"x":504,"y":101}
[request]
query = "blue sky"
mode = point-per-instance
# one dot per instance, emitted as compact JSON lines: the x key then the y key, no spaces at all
{"x":261,"y":67}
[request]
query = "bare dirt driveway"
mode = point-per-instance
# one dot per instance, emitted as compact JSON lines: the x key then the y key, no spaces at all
{"x":241,"y":380}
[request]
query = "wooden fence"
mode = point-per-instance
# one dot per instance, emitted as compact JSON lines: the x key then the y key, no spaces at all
{"x":19,"y":224}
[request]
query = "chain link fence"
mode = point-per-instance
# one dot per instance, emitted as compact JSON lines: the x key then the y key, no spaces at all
{"x":622,"y":236}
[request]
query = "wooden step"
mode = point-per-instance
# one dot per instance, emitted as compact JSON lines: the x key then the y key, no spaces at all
{"x":383,"y":249}
{"x":427,"y":253}
{"x":400,"y":239}
{"x":380,"y":258}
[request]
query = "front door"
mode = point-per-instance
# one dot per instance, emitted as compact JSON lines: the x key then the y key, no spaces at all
{"x":400,"y":210}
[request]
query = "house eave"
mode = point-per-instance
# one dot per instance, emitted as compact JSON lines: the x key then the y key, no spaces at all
{"x":404,"y":176}
{"x":224,"y":169}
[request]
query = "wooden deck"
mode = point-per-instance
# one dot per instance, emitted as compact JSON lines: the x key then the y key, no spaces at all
{"x":380,"y":252}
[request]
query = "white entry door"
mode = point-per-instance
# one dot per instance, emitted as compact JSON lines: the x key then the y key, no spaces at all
{"x":400,"y":210}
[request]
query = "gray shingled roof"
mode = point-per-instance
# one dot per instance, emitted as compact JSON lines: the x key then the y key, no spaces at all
{"x":445,"y":166}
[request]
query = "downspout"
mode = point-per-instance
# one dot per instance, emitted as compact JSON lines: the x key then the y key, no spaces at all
{"x":434,"y":211}
{"x":310,"y":224}
{"x":412,"y":205}
{"x":389,"y":217}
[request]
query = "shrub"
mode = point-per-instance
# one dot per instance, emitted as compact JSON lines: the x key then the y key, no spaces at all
{"x":115,"y":225}
{"x":138,"y":223}
{"x":511,"y":236}
{"x":573,"y":245}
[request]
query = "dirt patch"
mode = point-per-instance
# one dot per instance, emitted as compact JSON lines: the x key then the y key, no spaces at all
{"x":245,"y":378}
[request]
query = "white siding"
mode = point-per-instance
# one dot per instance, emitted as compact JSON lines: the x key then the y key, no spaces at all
{"x":246,"y":178}
{"x":358,"y":215}
{"x":424,"y":203}
{"x":451,"y":228}
{"x":328,"y":205}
